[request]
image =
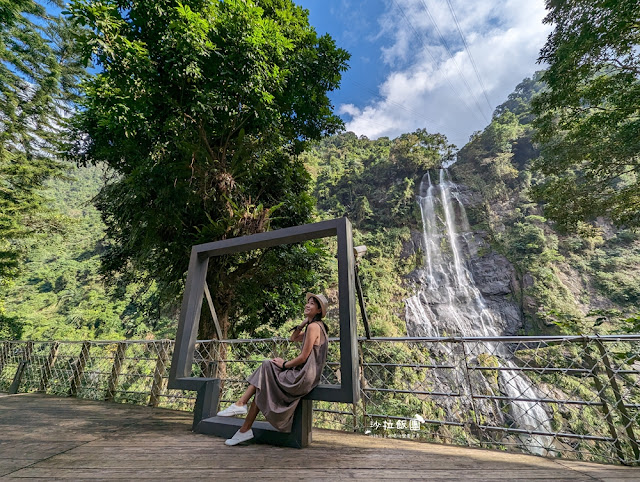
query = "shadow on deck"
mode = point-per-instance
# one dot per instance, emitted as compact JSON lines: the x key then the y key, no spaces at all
{"x":49,"y":437}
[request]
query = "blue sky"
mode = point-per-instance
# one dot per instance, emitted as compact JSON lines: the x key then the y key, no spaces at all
{"x":410,"y":68}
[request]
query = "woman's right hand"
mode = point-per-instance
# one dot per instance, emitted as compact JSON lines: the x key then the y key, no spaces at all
{"x":303,"y":324}
{"x":297,"y":331}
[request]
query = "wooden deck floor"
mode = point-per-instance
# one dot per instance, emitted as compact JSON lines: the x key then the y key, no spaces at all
{"x":49,"y":437}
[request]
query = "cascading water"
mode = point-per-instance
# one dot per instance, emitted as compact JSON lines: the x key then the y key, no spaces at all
{"x":448,"y":303}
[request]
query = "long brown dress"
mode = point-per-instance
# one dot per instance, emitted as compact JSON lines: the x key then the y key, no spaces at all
{"x":278,"y":391}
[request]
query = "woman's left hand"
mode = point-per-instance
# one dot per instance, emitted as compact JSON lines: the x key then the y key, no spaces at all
{"x":277,"y":361}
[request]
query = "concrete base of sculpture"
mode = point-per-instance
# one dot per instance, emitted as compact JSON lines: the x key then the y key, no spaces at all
{"x":205,"y":421}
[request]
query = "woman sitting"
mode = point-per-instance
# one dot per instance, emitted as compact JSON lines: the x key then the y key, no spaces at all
{"x":279,"y":385}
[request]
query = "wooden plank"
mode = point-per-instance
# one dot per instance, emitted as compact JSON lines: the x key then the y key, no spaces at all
{"x":37,"y":452}
{"x":8,"y":466}
{"x":222,"y":473}
{"x":71,"y":438}
{"x":203,"y":458}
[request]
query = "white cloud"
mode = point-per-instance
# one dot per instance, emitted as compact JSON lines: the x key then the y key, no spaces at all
{"x":427,"y":88}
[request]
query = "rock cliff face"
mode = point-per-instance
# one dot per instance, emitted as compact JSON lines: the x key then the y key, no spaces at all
{"x":562,"y":282}
{"x":495,"y":278}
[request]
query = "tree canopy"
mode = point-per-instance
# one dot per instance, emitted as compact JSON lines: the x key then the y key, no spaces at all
{"x":200,"y":110}
{"x":588,"y":117}
{"x":39,"y":73}
{"x":38,"y":76}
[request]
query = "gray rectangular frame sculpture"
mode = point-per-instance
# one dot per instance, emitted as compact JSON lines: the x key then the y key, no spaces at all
{"x":348,"y":391}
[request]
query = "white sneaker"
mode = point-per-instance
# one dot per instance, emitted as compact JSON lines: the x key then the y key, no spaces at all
{"x":239,"y":437}
{"x":232,"y":410}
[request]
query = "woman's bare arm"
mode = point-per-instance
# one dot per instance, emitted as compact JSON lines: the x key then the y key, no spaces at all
{"x":297,"y":335}
{"x":313,"y":333}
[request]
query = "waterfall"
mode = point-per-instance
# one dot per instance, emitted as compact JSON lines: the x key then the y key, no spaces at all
{"x":449,"y":303}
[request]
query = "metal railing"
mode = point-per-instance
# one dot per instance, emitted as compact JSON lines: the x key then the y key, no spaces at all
{"x":565,"y":396}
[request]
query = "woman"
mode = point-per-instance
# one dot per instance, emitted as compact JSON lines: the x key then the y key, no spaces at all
{"x":279,"y":385}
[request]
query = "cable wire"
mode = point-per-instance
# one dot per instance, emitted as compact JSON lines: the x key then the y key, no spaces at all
{"x":462,"y":76}
{"x":419,"y":37}
{"x":466,"y":46}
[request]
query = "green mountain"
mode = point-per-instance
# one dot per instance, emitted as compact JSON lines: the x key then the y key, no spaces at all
{"x":542,"y":280}
{"x":581,"y":282}
{"x":60,"y":294}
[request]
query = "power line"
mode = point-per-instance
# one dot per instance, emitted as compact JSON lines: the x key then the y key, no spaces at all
{"x":473,"y":62}
{"x":446,"y":46}
{"x":419,"y":37}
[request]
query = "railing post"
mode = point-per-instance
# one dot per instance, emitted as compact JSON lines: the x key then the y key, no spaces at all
{"x":363,"y":385}
{"x":22,"y":365}
{"x":158,"y":375}
{"x":78,"y":368}
{"x":593,"y":369}
{"x":45,"y":372}
{"x":28,"y":351}
{"x":15,"y":385}
{"x":4,"y":354}
{"x":622,"y":410}
{"x":469,"y":389}
{"x":118,"y":359}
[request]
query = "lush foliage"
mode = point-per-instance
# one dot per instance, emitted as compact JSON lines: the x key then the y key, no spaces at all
{"x":202,"y":114}
{"x":588,"y":118}
{"x":201,"y":110}
{"x":495,"y":161}
{"x":39,"y":73}
{"x":60,"y":295}
{"x":373,"y":182}
{"x":38,"y":76}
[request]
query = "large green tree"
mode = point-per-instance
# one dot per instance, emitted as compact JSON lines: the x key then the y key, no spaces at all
{"x":201,"y":109}
{"x":39,"y":73}
{"x":588,"y":118}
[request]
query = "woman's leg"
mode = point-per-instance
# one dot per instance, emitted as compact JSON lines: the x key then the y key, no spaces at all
{"x":250,"y":418}
{"x":246,"y":395}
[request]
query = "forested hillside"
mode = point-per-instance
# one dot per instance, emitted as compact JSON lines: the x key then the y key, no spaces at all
{"x":60,"y":293}
{"x":374,"y":183}
{"x":214,"y":120}
{"x":573,"y":282}
{"x":569,"y":283}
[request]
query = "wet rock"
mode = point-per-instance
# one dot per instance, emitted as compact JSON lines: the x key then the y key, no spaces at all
{"x":527,"y":280}
{"x":493,"y":274}
{"x":412,"y":246}
{"x":508,"y":314}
